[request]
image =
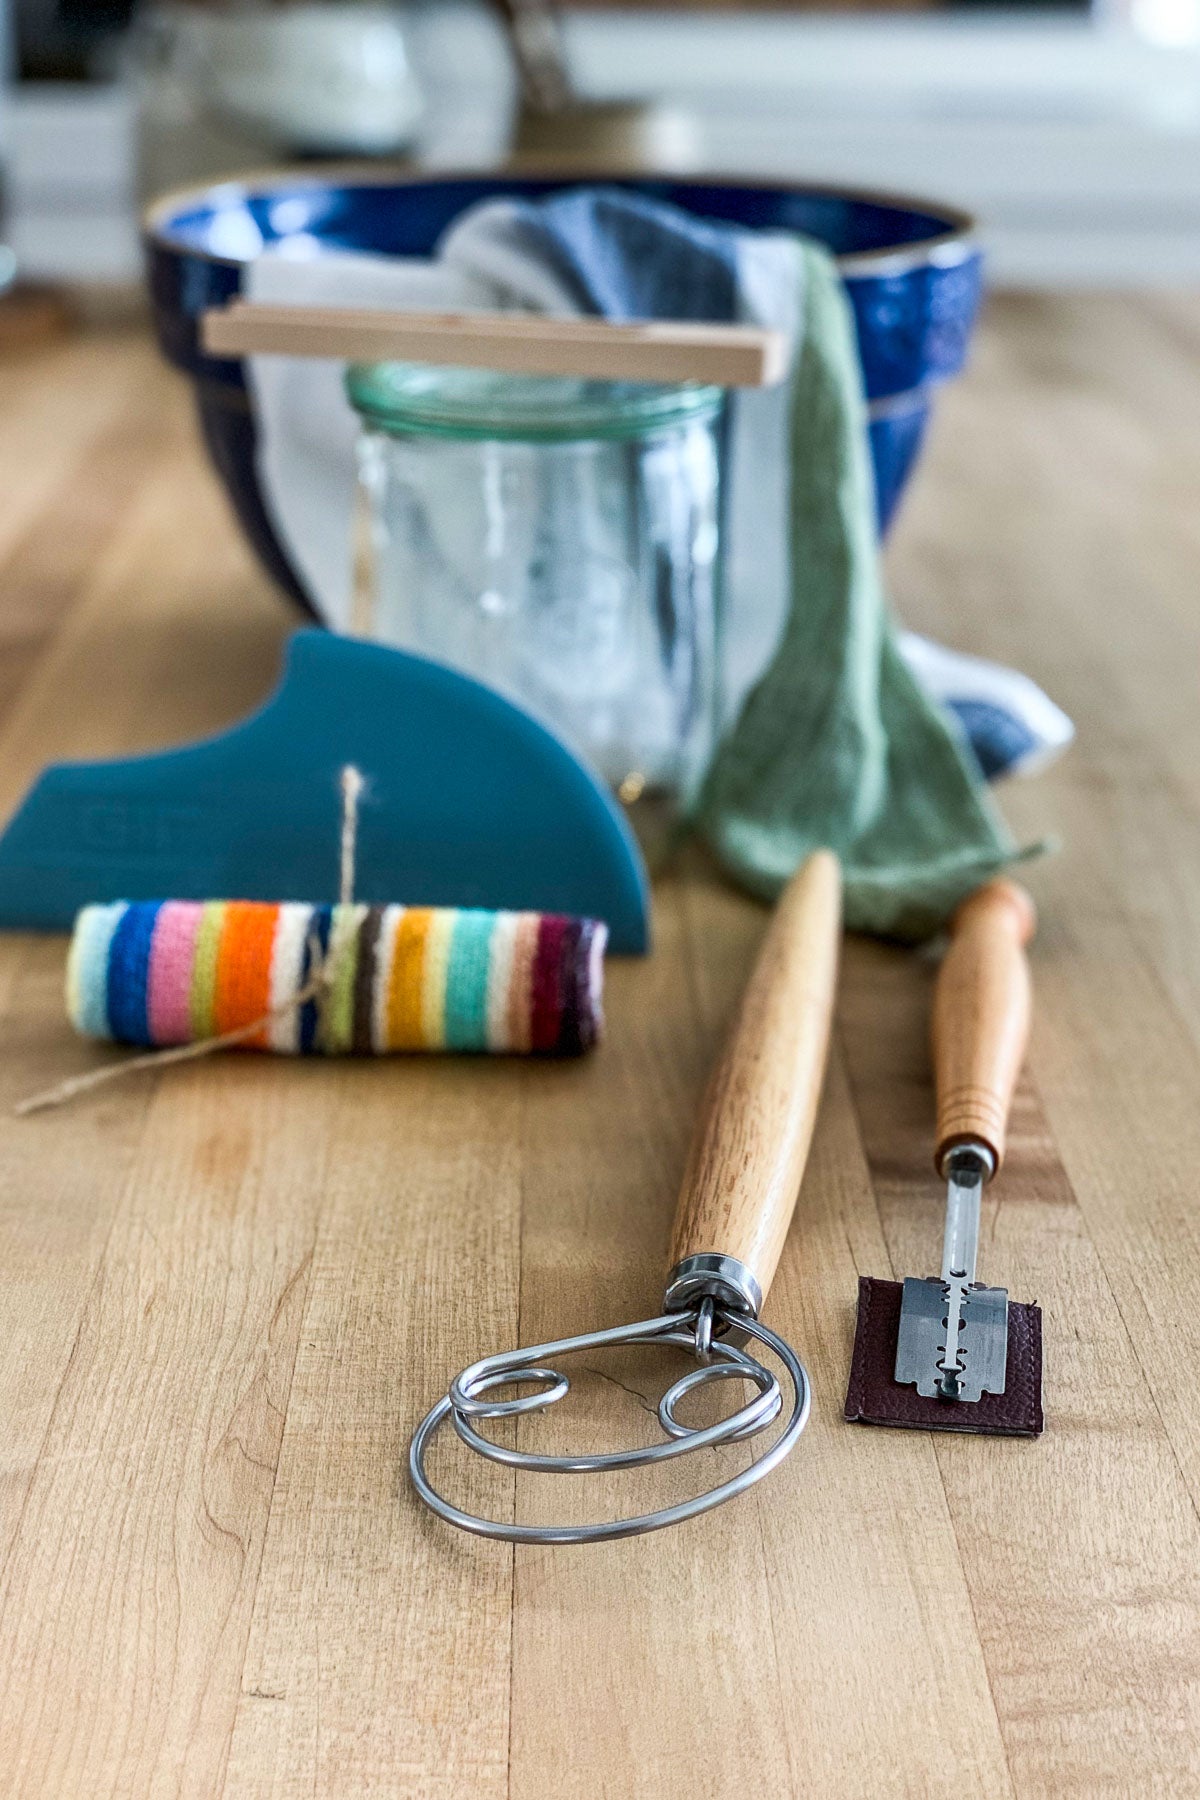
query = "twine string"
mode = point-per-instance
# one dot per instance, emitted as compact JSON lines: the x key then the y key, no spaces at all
{"x":318,"y":987}
{"x":352,"y":787}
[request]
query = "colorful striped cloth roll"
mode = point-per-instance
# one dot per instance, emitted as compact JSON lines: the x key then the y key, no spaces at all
{"x":160,"y":972}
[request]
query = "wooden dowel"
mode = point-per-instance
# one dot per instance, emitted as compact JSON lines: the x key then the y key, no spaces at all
{"x":518,"y":343}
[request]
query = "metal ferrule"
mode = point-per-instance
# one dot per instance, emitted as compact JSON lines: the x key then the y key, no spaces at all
{"x":728,"y":1281}
{"x":965,"y":1161}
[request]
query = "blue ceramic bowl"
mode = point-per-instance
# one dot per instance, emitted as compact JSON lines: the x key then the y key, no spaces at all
{"x":911,"y":269}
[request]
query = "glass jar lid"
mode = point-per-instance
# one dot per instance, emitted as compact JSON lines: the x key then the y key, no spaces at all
{"x":405,"y":399}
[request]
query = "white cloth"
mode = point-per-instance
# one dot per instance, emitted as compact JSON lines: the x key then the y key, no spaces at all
{"x":966,"y":683}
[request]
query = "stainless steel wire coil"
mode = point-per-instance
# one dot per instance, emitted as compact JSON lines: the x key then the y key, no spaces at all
{"x":735,"y":1204}
{"x":466,"y":1406}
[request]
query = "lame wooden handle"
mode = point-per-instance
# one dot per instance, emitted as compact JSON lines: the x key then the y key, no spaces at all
{"x":748,"y":1155}
{"x":981,"y":1013}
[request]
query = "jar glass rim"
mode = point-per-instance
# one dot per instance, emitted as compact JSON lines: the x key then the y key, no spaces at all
{"x":408,"y":399}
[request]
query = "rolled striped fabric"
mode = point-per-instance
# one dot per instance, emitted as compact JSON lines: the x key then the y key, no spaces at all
{"x":163,"y":972}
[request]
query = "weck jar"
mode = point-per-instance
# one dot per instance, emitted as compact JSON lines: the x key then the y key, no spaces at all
{"x":557,"y":539}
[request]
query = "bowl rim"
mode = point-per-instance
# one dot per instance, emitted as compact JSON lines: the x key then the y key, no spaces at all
{"x":943,"y":249}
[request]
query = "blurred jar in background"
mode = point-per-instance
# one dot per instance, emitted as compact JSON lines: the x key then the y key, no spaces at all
{"x":1168,"y":24}
{"x":224,"y":87}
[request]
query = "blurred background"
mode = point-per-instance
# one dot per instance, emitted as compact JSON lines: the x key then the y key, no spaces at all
{"x":1072,"y":131}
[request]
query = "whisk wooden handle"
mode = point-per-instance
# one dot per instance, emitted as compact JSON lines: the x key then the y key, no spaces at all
{"x":748,"y":1155}
{"x":981,"y":1014}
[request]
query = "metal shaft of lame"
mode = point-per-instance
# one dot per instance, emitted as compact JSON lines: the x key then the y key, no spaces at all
{"x":966,"y":1171}
{"x":960,"y":1245}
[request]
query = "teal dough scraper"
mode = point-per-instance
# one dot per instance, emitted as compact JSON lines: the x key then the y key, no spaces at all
{"x":469,"y":801}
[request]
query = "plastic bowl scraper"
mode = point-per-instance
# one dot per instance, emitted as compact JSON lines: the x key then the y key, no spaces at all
{"x":949,"y":1353}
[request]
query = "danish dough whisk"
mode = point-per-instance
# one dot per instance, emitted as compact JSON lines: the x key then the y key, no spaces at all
{"x":736,"y":1203}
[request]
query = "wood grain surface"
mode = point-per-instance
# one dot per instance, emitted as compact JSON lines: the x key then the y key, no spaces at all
{"x":229,"y":1291}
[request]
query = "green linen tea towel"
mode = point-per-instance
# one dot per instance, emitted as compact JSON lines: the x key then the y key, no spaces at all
{"x":837,"y":744}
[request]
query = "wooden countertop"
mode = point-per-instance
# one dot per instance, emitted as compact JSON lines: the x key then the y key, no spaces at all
{"x":228,"y":1291}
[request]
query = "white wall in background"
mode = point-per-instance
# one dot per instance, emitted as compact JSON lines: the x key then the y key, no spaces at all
{"x":1078,"y":146}
{"x":71,"y":208}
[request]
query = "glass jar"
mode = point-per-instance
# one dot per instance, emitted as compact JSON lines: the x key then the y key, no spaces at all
{"x":558,"y":540}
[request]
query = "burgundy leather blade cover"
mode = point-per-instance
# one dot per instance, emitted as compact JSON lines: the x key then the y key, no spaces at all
{"x":874,"y":1397}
